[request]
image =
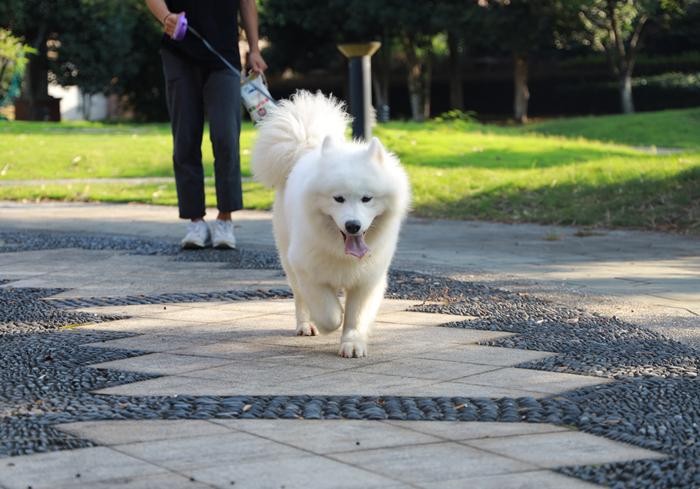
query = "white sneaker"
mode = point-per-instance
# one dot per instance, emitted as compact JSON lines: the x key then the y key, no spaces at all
{"x":222,"y":234}
{"x":197,"y":235}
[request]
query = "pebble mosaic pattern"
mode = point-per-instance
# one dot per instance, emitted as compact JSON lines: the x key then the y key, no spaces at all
{"x":588,"y":344}
{"x":24,"y":311}
{"x":653,"y":403}
{"x":39,"y":240}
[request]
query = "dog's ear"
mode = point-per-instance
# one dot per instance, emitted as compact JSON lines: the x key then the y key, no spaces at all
{"x":327,"y":144}
{"x":376,"y":151}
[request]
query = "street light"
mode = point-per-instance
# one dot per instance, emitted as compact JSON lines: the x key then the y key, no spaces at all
{"x":360,"y":86}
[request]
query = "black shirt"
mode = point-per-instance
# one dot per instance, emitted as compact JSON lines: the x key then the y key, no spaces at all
{"x":217,"y":22}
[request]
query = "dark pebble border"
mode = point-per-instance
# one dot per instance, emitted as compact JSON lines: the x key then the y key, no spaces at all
{"x":653,"y":402}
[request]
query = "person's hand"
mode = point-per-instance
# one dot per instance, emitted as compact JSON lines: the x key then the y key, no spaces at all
{"x":256,"y":63}
{"x":170,"y":22}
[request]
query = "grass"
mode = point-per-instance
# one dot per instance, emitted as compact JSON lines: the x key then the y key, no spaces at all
{"x":585,"y":171}
{"x":664,"y":129}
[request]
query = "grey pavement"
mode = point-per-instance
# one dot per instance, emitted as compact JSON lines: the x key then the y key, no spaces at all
{"x":652,"y":279}
{"x":224,"y":349}
{"x":199,"y":350}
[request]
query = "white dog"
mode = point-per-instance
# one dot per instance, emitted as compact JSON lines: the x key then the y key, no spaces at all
{"x":337,"y":214}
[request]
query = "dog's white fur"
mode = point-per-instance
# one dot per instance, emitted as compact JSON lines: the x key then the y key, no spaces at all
{"x":301,"y":152}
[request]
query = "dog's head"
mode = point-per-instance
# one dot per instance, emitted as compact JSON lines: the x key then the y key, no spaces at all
{"x":356,"y":184}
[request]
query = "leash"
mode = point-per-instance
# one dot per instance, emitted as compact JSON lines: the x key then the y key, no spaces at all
{"x":183,"y":27}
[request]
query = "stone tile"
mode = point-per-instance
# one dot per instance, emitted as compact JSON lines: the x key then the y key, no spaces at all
{"x":285,"y":335}
{"x":258,"y":307}
{"x":55,"y":469}
{"x":120,"y":432}
{"x":460,"y":430}
{"x":419,"y":318}
{"x":135,"y":311}
{"x":349,"y":382}
{"x":410,"y":341}
{"x":252,"y":327}
{"x":534,"y":380}
{"x":486,"y":355}
{"x":330,"y":436}
{"x":256,"y":375}
{"x":166,"y":481}
{"x":302,"y":471}
{"x":163,"y":364}
{"x":153,"y":326}
{"x":231,"y":449}
{"x":204,"y":314}
{"x":539,"y":479}
{"x":243,"y":329}
{"x":551,"y":450}
{"x":152,"y":343}
{"x":432,"y":462}
{"x":432,"y":337}
{"x":175,"y":385}
{"x":421,"y":368}
{"x":239,"y":350}
{"x":397,"y":305}
{"x":457,"y":389}
{"x":327,"y":358}
{"x":269,"y":383}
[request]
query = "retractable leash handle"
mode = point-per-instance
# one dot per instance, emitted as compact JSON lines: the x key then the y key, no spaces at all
{"x":180,"y":28}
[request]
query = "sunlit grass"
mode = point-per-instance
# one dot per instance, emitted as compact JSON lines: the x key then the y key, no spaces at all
{"x":585,"y":171}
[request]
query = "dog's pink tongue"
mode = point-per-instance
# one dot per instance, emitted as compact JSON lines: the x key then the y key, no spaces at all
{"x":355,"y":246}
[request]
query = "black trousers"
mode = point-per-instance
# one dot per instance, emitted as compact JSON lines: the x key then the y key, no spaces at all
{"x":191,"y":92}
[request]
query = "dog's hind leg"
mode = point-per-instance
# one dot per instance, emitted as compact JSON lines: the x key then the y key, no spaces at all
{"x":361,"y":307}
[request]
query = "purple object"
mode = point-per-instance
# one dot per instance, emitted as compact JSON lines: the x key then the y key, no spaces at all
{"x":180,"y":28}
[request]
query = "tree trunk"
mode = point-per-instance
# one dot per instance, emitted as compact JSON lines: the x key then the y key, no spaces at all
{"x":382,"y":80}
{"x":86,"y":106}
{"x":455,"y":71}
{"x":35,"y":86}
{"x":427,"y":81}
{"x":522,"y":94}
{"x":626,"y":100}
{"x":418,"y":80}
{"x":415,"y":92}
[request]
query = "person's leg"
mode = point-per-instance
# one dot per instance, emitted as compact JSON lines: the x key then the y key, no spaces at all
{"x":186,"y":108}
{"x":222,"y":100}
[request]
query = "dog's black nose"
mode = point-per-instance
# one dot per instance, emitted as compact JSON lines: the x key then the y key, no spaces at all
{"x":352,"y":227}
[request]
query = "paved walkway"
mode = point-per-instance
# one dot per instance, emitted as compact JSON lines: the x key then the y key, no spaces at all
{"x":649,"y":278}
{"x":165,"y":385}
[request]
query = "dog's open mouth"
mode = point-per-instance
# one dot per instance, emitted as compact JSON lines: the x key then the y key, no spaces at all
{"x":355,"y":244}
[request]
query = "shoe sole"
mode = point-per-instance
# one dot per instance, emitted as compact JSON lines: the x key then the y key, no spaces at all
{"x":224,"y":246}
{"x":194,"y":246}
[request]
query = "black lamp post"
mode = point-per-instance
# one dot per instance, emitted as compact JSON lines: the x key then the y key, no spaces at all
{"x":360,"y":86}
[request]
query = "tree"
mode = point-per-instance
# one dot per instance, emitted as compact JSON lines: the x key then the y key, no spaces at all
{"x":616,"y":27}
{"x":414,"y":26}
{"x":97,"y":55}
{"x":521,"y":28}
{"x":80,"y":41}
{"x":462,"y":22}
{"x":13,"y":60}
{"x":303,"y":34}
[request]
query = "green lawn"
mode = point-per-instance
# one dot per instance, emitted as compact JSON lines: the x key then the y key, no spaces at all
{"x":585,"y":171}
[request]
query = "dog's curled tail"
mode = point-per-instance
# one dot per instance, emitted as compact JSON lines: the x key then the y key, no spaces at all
{"x":291,"y":129}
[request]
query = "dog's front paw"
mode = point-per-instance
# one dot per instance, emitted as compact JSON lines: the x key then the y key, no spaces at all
{"x":353,"y":349}
{"x":306,"y":329}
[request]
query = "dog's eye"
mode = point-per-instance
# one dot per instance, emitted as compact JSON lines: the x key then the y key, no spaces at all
{"x":366,"y":199}
{"x":339,"y":198}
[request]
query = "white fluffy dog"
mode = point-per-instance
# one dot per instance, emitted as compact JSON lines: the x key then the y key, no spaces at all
{"x":337,"y":214}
